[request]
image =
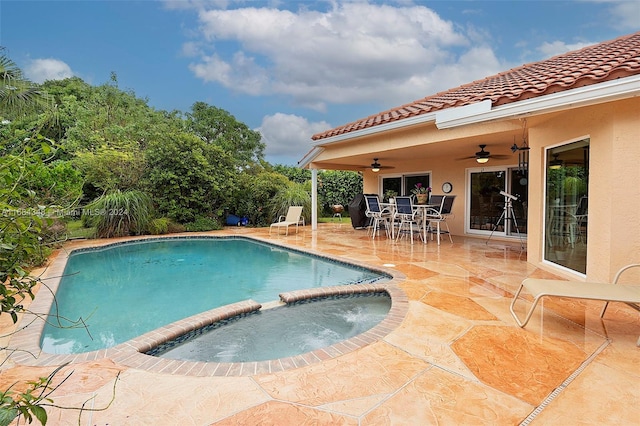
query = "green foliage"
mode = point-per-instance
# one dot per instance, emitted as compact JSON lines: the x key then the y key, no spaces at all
{"x":254,"y":194}
{"x":189,"y":178}
{"x":18,"y":95}
{"x":109,"y":169}
{"x":21,"y":222}
{"x":337,"y":187}
{"x":202,"y":224}
{"x":119,"y":214}
{"x":216,"y":126}
{"x":159,"y":226}
{"x":293,"y":194}
{"x":57,"y":183}
{"x":295,"y":174}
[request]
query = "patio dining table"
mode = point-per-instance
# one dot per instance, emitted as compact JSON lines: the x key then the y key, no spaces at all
{"x":425,"y":223}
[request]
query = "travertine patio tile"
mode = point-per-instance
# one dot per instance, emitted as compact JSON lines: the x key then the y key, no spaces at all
{"x":440,"y":398}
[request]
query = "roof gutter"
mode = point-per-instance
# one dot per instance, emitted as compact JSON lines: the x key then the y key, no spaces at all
{"x":588,"y":95}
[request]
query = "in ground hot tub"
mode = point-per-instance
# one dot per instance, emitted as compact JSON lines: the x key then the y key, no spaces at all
{"x":280,"y":332}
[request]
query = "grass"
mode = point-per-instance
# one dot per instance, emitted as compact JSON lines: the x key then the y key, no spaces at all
{"x":75,"y":229}
{"x":329,"y":219}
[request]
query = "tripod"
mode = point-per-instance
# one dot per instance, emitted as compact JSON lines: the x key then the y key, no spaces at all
{"x":507,"y":215}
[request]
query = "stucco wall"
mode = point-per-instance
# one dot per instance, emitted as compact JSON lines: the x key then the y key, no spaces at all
{"x":614,"y":182}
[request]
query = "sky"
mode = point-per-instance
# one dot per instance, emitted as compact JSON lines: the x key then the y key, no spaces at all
{"x":290,"y":69}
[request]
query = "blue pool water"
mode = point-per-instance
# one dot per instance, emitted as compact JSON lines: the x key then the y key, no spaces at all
{"x":125,"y":290}
{"x":280,"y":332}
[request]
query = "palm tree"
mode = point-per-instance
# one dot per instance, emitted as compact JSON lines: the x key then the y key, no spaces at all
{"x":18,"y":95}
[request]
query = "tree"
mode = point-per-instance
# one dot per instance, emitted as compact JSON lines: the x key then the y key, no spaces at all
{"x":216,"y":126}
{"x":295,"y":174}
{"x":18,"y":95}
{"x":189,"y":178}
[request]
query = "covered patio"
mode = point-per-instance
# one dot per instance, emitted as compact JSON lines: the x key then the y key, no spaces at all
{"x":456,"y":357}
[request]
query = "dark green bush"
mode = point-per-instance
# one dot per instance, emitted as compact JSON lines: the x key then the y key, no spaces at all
{"x":202,"y":224}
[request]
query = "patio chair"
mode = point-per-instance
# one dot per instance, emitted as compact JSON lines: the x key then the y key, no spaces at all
{"x":407,"y":216}
{"x":292,"y":218}
{"x":438,"y":215}
{"x":539,"y":288}
{"x":379,"y":216}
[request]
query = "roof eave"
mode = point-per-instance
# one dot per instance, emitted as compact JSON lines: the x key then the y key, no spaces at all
{"x":608,"y":91}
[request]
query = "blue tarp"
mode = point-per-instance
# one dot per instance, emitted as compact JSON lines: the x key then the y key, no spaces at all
{"x":234,"y":220}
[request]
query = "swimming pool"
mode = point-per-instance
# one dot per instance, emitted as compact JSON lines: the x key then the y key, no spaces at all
{"x":124,"y":290}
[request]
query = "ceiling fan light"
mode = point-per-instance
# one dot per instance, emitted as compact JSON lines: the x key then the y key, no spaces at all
{"x":375,"y":166}
{"x":556,"y":163}
{"x":482,"y":160}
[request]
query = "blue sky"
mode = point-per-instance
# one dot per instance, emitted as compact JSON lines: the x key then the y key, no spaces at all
{"x":294,"y":68}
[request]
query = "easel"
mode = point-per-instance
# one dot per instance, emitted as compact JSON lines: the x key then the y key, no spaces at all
{"x":507,"y":214}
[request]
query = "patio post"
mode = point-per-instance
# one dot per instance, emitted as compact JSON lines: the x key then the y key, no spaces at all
{"x":314,"y":199}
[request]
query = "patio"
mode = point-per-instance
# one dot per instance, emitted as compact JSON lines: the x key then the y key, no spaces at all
{"x":456,"y":358}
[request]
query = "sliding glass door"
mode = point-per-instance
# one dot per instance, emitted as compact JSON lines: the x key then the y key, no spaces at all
{"x":497,"y":201}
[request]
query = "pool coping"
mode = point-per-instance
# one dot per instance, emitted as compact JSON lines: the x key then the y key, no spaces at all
{"x":131,"y":353}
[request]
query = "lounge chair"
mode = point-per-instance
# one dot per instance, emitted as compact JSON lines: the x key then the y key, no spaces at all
{"x":292,"y":218}
{"x":538,"y":288}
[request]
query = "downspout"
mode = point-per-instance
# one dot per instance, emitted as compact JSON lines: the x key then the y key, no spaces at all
{"x":314,"y":199}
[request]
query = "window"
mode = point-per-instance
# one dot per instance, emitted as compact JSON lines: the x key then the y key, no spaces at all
{"x":403,"y":184}
{"x":566,"y":205}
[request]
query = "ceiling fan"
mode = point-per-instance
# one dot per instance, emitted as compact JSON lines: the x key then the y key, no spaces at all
{"x":376,"y":167}
{"x":483,"y":156}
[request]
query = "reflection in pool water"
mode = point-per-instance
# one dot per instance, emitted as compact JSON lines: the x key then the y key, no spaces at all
{"x":280,"y":332}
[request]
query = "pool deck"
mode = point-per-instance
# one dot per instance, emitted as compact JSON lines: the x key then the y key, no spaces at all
{"x":450,"y":354}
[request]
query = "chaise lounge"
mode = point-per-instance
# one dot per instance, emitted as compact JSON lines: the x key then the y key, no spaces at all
{"x":538,"y":288}
{"x":292,"y":218}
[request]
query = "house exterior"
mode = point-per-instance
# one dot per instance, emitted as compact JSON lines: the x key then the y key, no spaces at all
{"x":563,"y":136}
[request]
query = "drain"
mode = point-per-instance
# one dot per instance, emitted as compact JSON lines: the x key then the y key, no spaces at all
{"x":564,"y":384}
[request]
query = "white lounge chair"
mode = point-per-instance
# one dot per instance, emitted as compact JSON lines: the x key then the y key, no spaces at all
{"x":538,"y":288}
{"x":292,"y":218}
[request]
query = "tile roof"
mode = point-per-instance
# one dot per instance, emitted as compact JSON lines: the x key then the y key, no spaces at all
{"x":605,"y":61}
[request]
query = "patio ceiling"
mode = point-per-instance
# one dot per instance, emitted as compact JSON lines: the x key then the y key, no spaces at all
{"x":361,"y":153}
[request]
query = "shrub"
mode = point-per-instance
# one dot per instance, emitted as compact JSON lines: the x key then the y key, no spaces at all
{"x":202,"y":224}
{"x":159,"y":226}
{"x":119,"y":214}
{"x":293,"y":194}
{"x":174,"y":228}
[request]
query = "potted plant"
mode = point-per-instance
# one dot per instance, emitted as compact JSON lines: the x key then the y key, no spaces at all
{"x":422,"y":193}
{"x":389,"y":195}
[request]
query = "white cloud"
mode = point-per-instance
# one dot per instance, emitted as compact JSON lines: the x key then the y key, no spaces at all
{"x":352,"y":53}
{"x":40,"y":70}
{"x":626,"y":14}
{"x":288,"y":137}
{"x":558,"y":47}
